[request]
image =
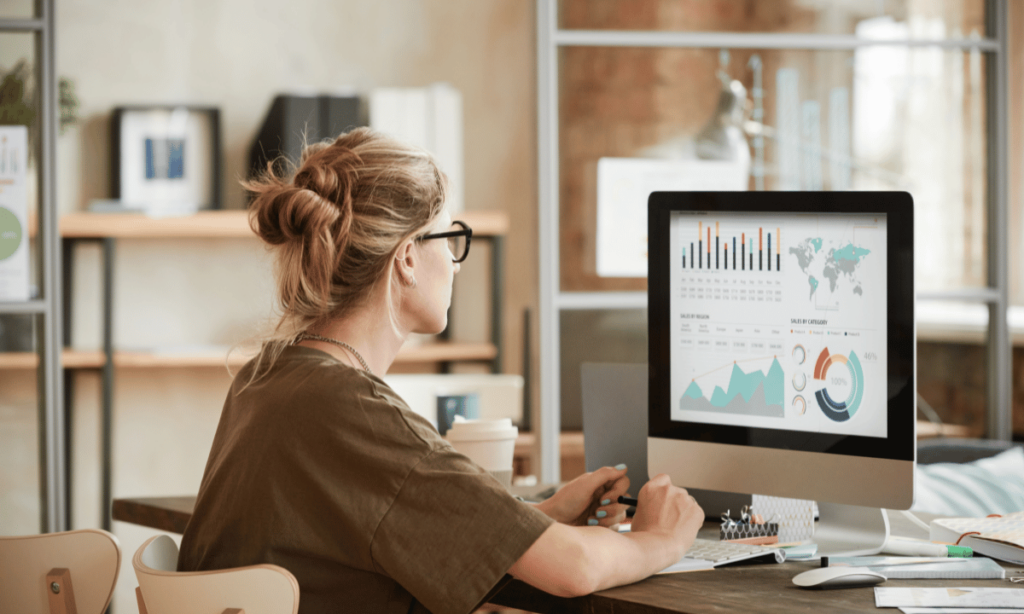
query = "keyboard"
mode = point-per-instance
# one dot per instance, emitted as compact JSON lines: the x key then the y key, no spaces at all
{"x":723,"y":553}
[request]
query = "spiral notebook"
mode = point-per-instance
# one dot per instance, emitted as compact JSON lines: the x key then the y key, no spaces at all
{"x":1000,"y":537}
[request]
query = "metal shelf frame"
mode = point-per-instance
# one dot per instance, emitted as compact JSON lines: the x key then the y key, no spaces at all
{"x":553,"y":300}
{"x":53,"y":459}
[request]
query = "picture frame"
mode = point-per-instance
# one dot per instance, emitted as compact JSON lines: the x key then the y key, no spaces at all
{"x":166,"y":159}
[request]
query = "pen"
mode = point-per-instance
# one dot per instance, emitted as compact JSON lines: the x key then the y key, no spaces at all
{"x":888,"y":561}
{"x":907,"y":547}
{"x":628,"y":501}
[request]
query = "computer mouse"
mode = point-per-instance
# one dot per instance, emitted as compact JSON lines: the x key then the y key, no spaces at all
{"x":838,"y":577}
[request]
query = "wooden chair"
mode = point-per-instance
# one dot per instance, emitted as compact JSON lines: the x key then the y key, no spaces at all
{"x":257,"y":589}
{"x":69,"y":573}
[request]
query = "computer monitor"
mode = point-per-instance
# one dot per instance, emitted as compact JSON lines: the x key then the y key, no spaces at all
{"x":782,"y":351}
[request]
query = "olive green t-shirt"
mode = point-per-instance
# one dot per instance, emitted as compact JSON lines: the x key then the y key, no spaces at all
{"x":322,"y":469}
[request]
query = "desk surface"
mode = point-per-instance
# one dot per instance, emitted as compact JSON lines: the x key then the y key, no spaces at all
{"x":763,"y":587}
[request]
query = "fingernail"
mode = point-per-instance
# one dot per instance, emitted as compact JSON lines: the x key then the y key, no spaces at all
{"x":605,"y":501}
{"x":601,"y":514}
{"x":592,"y":522}
{"x":620,"y":466}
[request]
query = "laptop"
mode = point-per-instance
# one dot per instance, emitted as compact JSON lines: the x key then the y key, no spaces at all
{"x":615,"y":430}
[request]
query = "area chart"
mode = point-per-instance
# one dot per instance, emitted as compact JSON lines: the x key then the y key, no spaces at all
{"x":754,"y":394}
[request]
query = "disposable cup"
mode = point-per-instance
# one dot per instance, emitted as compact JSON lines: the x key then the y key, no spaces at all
{"x":488,"y":443}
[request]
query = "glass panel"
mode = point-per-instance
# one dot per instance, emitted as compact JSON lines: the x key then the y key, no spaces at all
{"x":878,"y":118}
{"x":17,"y":9}
{"x":1018,"y":389}
{"x":19,"y":150}
{"x":597,"y":336}
{"x":1015,"y":135}
{"x":19,"y":427}
{"x":915,"y":19}
{"x":952,"y":365}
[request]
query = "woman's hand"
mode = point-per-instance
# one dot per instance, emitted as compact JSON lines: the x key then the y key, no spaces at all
{"x":670,"y":511}
{"x":591,"y":499}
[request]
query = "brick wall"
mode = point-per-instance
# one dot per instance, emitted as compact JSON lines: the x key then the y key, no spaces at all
{"x":951,"y":378}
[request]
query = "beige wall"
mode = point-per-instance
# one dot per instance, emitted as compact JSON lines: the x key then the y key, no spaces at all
{"x":236,"y":55}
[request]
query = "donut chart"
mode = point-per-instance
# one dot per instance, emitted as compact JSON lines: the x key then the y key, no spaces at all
{"x":839,"y":411}
{"x":799,"y":404}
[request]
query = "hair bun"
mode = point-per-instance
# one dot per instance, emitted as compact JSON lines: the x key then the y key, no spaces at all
{"x":283,"y":213}
{"x":329,"y":170}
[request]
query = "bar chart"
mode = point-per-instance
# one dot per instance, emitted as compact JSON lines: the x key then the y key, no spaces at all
{"x":713,"y":254}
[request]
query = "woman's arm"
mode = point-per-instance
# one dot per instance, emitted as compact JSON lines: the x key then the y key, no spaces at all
{"x":569,"y":561}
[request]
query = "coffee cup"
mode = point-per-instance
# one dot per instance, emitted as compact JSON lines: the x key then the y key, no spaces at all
{"x":488,"y":443}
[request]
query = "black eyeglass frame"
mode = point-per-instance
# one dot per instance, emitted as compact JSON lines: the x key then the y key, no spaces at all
{"x":465,"y":232}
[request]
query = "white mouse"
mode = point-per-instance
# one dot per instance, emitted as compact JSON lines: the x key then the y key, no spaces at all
{"x":838,"y":577}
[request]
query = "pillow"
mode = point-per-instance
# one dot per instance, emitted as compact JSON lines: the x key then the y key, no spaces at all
{"x":993,"y":485}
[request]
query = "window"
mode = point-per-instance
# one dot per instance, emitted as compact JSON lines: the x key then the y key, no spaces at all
{"x":777,"y":96}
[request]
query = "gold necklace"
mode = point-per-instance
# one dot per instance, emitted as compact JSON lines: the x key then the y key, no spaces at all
{"x":316,"y":337}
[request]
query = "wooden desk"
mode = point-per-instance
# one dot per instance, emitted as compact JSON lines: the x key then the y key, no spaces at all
{"x":169,"y":514}
{"x":763,"y":587}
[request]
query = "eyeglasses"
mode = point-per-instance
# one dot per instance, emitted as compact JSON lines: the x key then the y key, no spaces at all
{"x":458,"y":240}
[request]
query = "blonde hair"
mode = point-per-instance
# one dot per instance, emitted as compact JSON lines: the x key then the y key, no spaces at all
{"x":335,"y":227}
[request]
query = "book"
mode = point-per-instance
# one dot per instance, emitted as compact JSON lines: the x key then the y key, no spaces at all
{"x":15,"y":278}
{"x":894,"y":568}
{"x":1000,"y":537}
{"x":428,"y":117}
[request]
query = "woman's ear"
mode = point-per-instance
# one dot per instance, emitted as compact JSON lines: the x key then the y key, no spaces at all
{"x":405,"y":264}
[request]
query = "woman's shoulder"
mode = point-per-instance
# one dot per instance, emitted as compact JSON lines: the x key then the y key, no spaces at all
{"x":325,"y":391}
{"x":414,"y":424}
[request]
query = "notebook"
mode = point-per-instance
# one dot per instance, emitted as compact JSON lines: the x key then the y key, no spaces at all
{"x":1000,"y":537}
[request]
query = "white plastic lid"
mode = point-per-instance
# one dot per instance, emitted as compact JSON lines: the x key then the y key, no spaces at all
{"x":481,"y":430}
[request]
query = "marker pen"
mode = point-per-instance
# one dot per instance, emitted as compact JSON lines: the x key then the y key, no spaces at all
{"x":906,"y":547}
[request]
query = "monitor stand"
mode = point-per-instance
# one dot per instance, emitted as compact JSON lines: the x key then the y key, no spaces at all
{"x":850,"y":530}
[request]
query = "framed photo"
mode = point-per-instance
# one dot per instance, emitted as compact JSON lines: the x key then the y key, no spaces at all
{"x":166,"y":159}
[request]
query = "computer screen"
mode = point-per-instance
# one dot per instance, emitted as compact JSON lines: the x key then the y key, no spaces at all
{"x":781,"y":334}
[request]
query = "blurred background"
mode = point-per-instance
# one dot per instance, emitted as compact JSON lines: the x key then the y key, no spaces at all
{"x":756,"y":95}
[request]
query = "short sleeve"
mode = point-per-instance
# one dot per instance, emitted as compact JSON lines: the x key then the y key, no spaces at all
{"x":453,"y":532}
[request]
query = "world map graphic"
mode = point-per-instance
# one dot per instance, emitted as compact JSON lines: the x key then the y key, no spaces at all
{"x":838,"y":264}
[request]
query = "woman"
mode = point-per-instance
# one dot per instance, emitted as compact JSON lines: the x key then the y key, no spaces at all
{"x":318,"y":466}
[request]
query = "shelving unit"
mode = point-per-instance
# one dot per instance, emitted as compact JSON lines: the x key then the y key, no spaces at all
{"x":106,"y":229}
{"x":53,"y":460}
{"x":216,"y":225}
{"x":215,"y":357}
{"x":487,"y":225}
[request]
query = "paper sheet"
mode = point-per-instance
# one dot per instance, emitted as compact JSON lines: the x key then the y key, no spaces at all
{"x":950,"y":597}
{"x":688,"y":565}
{"x":962,"y":611}
{"x":623,"y":187}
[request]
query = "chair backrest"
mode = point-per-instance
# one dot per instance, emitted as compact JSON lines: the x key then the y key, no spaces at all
{"x":91,"y":556}
{"x":257,"y":589}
